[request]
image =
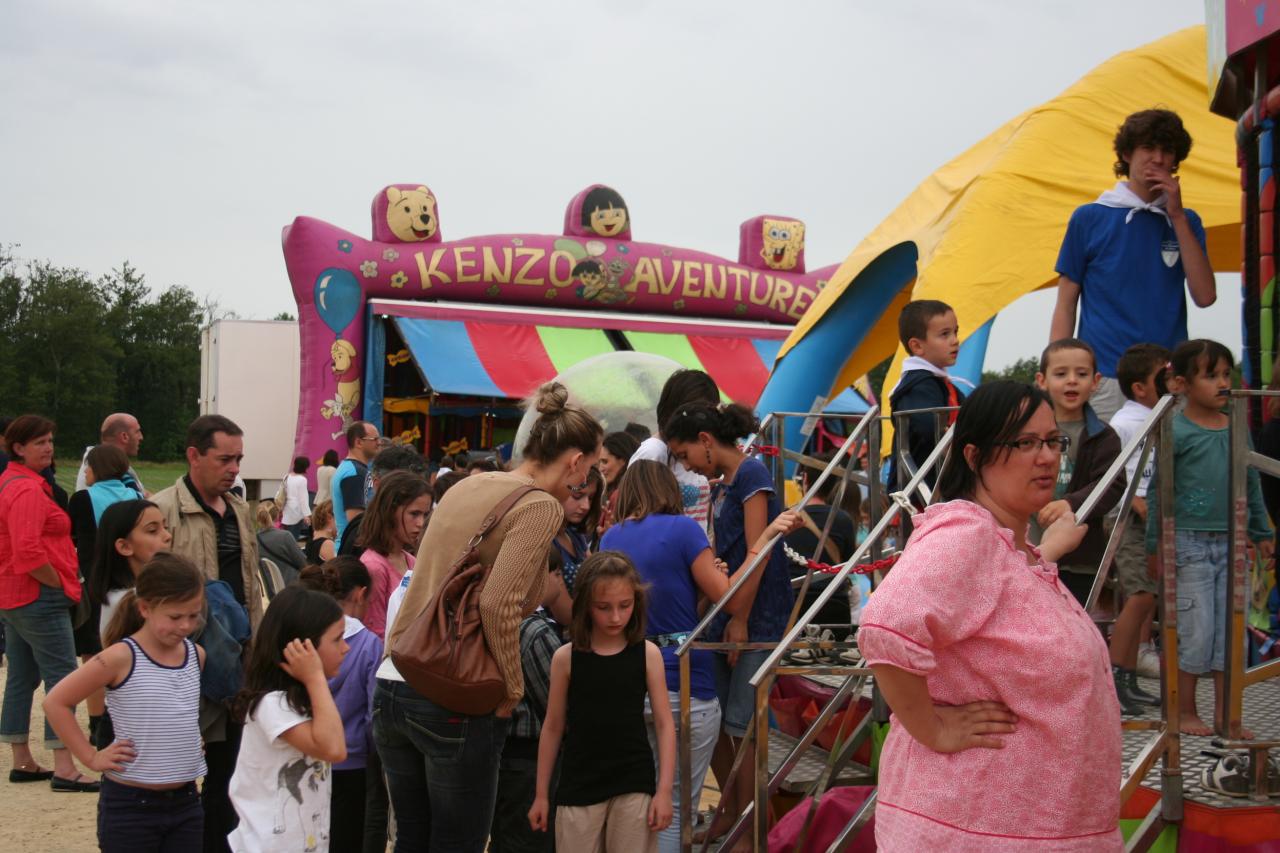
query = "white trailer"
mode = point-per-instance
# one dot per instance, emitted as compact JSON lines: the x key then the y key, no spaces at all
{"x":249,"y":373}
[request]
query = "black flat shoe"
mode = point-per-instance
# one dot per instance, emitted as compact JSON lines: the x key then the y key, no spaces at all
{"x":18,"y":776}
{"x":77,"y":785}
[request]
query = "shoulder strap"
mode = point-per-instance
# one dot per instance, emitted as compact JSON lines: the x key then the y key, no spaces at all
{"x":829,"y":547}
{"x":7,"y":480}
{"x":499,"y":511}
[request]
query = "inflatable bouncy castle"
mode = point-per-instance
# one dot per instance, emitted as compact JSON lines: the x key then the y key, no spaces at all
{"x":436,"y":341}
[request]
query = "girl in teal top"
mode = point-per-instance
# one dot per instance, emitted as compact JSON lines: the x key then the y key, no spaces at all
{"x":1201,"y":372}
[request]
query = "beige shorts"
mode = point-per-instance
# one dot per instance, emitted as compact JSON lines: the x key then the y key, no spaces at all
{"x":618,"y":825}
{"x":1131,"y":559}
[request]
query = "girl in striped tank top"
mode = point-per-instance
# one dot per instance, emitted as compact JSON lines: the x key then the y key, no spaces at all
{"x":151,"y":672}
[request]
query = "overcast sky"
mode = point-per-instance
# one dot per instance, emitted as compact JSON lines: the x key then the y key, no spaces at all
{"x":183,"y":136}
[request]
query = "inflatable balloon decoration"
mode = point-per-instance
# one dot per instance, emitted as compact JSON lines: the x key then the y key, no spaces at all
{"x":594,"y":264}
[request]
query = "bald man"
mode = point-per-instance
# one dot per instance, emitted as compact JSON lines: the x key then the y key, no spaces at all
{"x":122,"y":430}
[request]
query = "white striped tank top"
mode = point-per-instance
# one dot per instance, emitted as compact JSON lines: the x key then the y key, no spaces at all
{"x":158,"y":708}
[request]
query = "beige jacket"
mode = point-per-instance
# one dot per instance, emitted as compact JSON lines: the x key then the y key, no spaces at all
{"x":195,"y":538}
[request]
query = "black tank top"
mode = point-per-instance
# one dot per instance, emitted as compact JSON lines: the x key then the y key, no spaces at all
{"x":606,"y":745}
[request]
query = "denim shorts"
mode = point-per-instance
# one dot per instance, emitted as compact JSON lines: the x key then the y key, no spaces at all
{"x":737,"y":696}
{"x":1202,"y":599}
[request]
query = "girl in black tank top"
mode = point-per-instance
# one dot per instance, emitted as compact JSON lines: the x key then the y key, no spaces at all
{"x":608,"y":786}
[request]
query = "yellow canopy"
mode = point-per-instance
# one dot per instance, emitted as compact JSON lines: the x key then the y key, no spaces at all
{"x":988,"y":225}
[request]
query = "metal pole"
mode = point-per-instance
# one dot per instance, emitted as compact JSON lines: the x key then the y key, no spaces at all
{"x":1171,"y":778}
{"x":1230,"y":708}
{"x":688,"y":796}
{"x":762,"y":766}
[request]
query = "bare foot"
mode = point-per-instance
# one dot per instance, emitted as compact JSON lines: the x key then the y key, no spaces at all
{"x":1193,"y":725}
{"x":1241,"y":733}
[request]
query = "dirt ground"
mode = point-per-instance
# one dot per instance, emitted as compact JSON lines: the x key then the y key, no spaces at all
{"x":33,"y":819}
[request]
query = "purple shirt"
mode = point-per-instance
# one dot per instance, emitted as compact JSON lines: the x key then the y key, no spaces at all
{"x":352,"y":690}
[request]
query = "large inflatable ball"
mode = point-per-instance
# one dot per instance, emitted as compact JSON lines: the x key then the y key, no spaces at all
{"x":617,"y":387}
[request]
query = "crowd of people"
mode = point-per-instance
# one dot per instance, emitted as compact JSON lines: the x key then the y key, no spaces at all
{"x":233,"y":707}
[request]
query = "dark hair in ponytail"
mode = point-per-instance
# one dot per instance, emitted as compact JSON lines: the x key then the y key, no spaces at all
{"x":165,"y":578}
{"x":110,"y":568}
{"x":337,"y":577}
{"x":725,"y":424}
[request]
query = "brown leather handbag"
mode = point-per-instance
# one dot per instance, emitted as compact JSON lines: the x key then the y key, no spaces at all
{"x":443,"y":654}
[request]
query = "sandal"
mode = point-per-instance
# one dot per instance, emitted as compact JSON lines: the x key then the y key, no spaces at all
{"x":77,"y":785}
{"x":19,"y":775}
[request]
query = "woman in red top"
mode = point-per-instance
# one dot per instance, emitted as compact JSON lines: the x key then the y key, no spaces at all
{"x":39,"y":584}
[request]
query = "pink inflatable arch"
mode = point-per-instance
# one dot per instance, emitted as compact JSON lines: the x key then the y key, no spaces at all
{"x":594,"y":264}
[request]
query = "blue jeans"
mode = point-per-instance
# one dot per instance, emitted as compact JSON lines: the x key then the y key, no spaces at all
{"x":704,"y":727}
{"x":131,"y":820}
{"x":1202,"y":599}
{"x":39,"y":645}
{"x":441,"y":768}
{"x":737,"y":696}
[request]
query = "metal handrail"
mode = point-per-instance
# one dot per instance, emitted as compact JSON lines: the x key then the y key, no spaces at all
{"x":1153,"y":417}
{"x":763,"y":555}
{"x":939,"y":452}
{"x":751,"y":439}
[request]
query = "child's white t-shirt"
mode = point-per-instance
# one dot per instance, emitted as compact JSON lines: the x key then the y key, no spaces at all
{"x":387,"y":670}
{"x":280,"y":794}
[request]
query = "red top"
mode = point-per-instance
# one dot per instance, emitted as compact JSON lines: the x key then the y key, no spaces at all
{"x":33,"y":531}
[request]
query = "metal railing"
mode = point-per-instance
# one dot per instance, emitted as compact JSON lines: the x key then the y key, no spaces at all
{"x":693,"y":640}
{"x":1164,"y":744}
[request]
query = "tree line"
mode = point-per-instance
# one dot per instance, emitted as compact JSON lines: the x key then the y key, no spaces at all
{"x":76,"y":348}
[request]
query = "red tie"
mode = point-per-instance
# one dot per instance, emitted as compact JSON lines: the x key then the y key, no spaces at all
{"x":953,"y":399}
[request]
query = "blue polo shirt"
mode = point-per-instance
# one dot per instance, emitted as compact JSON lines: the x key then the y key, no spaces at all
{"x":350,"y":491}
{"x":1132,"y":284}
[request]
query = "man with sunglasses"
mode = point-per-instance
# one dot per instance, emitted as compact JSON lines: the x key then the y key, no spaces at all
{"x":350,"y":493}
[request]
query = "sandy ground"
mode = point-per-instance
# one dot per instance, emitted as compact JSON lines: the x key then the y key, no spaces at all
{"x":34,"y":818}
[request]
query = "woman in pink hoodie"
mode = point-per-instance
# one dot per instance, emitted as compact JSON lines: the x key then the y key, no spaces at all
{"x":1006,"y":730}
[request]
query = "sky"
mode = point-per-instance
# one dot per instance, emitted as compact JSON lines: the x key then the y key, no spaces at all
{"x":182,"y":137}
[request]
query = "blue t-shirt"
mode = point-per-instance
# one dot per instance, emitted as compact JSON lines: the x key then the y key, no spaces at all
{"x":663,"y":548}
{"x":1132,"y":284}
{"x":350,"y":491}
{"x":774,"y":597}
{"x":571,"y":560}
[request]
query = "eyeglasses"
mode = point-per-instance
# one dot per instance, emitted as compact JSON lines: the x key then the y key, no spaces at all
{"x":1032,"y":444}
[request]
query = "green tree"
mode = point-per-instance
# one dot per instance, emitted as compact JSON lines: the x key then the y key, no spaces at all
{"x":158,"y":375}
{"x":1022,"y":370}
{"x":75,"y":349}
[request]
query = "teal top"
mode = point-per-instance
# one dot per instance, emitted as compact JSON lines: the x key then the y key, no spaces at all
{"x":1201,"y":465}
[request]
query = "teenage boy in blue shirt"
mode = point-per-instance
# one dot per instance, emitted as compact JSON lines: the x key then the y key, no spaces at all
{"x":1125,"y":256}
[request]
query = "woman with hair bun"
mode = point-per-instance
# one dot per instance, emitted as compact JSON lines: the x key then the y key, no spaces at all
{"x":745,"y":508}
{"x":442,"y":765}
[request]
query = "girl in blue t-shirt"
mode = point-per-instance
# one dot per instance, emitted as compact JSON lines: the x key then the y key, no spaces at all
{"x":746,"y":513}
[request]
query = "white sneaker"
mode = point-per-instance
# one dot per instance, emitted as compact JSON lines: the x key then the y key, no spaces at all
{"x":1148,"y":661}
